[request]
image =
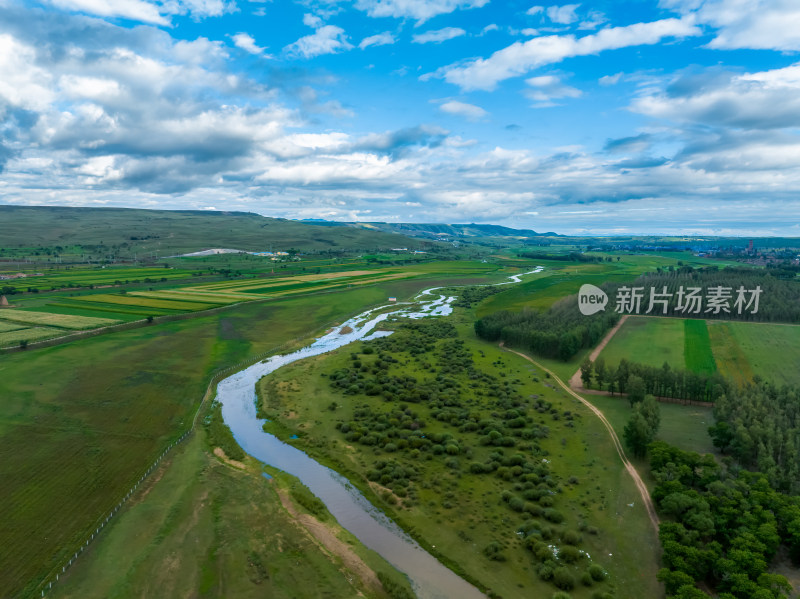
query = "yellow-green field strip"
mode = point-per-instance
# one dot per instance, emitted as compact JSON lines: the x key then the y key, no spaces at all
{"x":10,"y":326}
{"x":55,"y":320}
{"x":126,"y":300}
{"x":28,"y":334}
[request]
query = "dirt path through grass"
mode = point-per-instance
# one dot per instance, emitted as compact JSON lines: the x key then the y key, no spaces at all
{"x":575,"y":381}
{"x":326,"y":537}
{"x":648,"y":502}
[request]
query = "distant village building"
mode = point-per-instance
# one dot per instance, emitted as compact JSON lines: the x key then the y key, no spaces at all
{"x":391,"y":299}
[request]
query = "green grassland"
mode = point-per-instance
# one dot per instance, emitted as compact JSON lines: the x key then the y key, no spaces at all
{"x":647,"y":340}
{"x":652,"y":340}
{"x":458,"y":514}
{"x":80,"y":422}
{"x":213,"y":530}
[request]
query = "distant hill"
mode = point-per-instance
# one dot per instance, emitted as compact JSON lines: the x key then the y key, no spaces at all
{"x":183,"y":231}
{"x":436,"y":230}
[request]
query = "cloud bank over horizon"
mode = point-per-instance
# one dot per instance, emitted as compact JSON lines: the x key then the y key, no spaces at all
{"x":681,"y":116}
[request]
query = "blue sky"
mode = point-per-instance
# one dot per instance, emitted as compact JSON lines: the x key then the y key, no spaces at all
{"x":604,"y":117}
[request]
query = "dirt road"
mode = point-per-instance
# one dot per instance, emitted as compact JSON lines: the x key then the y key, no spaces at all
{"x":575,"y":382}
{"x":637,"y":480}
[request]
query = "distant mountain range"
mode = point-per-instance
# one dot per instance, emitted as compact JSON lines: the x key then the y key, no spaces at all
{"x":442,"y":232}
{"x":170,"y":232}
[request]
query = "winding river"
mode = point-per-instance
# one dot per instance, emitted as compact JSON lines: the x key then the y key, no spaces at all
{"x":429,"y":578}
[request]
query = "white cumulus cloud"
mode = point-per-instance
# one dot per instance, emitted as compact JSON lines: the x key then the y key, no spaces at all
{"x":468,"y":111}
{"x":328,"y":39}
{"x":135,"y":10}
{"x":421,"y":10}
{"x":757,"y":24}
{"x":438,"y":36}
{"x":564,"y":15}
{"x":381,"y":39}
{"x":546,"y":88}
{"x":247,"y":43}
{"x":521,"y":57}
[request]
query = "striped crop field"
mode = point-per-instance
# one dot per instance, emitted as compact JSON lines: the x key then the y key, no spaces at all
{"x":322,"y":277}
{"x":56,"y":320}
{"x":10,"y":326}
{"x":28,"y":334}
{"x":60,"y":307}
{"x":697,"y":347}
{"x":130,"y":300}
{"x":183,"y":295}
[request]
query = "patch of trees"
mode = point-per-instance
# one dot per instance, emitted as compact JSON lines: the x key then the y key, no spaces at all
{"x":467,"y":296}
{"x":638,"y":380}
{"x":642,"y":426}
{"x":722,"y":528}
{"x":571,"y":257}
{"x":559,"y":333}
{"x":759,"y":425}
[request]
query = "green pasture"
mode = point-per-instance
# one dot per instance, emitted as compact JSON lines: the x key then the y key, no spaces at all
{"x":647,"y":340}
{"x":212,"y":530}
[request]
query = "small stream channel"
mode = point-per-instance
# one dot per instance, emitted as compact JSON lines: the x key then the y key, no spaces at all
{"x":429,"y":578}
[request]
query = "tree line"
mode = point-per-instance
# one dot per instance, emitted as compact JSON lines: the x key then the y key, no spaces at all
{"x":638,"y":380}
{"x":777,"y":299}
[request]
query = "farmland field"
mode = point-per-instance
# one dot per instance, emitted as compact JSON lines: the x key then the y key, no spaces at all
{"x":738,"y":350}
{"x":10,"y":326}
{"x":144,"y":302}
{"x":697,"y":347}
{"x":647,"y":340}
{"x":56,"y":320}
{"x":30,"y":334}
{"x":771,"y":351}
